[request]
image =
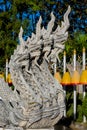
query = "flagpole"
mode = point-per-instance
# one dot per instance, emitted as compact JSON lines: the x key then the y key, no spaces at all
{"x":7,"y":66}
{"x":74,"y":62}
{"x":64,"y":70}
{"x":84,"y":93}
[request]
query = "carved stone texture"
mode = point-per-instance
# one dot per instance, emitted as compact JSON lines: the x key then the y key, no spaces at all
{"x":38,"y":99}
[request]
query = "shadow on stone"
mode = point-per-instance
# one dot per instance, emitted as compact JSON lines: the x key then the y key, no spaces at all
{"x":63,"y":124}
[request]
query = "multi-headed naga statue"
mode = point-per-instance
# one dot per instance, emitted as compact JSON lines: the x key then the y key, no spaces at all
{"x":38,"y":99}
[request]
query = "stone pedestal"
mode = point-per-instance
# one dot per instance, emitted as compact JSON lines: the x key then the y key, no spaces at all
{"x":28,"y":129}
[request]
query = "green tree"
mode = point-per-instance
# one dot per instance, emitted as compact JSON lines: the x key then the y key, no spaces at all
{"x":78,"y":41}
{"x":11,"y":19}
{"x":84,"y":106}
{"x":7,"y":43}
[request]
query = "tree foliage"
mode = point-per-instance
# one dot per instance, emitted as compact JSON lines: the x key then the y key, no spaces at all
{"x":78,"y":41}
{"x":84,"y":106}
{"x":13,"y":14}
{"x":16,"y":13}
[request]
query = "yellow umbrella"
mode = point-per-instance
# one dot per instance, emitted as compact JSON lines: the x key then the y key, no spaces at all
{"x":75,"y":79}
{"x":1,"y":75}
{"x":66,"y":80}
{"x":9,"y":80}
{"x":57,"y":76}
{"x":83,"y":77}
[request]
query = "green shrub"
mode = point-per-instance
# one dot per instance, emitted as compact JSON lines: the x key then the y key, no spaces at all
{"x":79,"y":114}
{"x":84,"y":106}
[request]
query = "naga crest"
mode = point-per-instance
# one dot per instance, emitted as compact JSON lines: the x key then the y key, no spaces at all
{"x":38,"y":99}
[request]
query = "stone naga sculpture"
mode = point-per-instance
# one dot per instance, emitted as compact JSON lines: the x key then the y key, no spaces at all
{"x":38,"y":99}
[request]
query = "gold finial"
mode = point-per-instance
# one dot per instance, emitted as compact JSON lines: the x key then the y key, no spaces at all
{"x":83,"y":49}
{"x":6,"y":60}
{"x":64,"y":53}
{"x":74,"y":51}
